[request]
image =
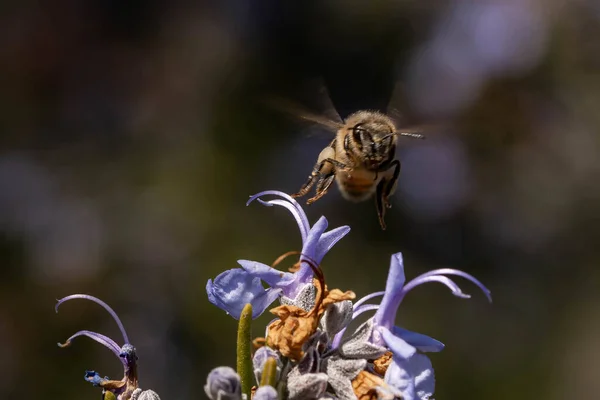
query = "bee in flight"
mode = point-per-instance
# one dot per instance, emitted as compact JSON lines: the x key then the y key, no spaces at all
{"x":361,"y":158}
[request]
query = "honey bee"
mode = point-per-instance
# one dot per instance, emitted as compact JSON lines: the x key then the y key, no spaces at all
{"x":361,"y":158}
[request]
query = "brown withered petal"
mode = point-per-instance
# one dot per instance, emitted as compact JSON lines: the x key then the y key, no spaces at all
{"x":365,"y":385}
{"x":288,"y":334}
{"x":381,"y":364}
{"x":295,"y":325}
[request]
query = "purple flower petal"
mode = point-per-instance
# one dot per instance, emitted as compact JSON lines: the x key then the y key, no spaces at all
{"x":272,"y":276}
{"x":421,"y":342}
{"x":435,"y":278}
{"x":386,"y":314}
{"x":97,"y":301}
{"x":412,"y":378}
{"x":235,"y":288}
{"x":292,"y":205}
{"x":265,"y":393}
{"x":309,"y":246}
{"x":328,"y":240}
{"x":399,"y":378}
{"x":462,"y":274}
{"x":397,"y":345}
{"x":103,"y":340}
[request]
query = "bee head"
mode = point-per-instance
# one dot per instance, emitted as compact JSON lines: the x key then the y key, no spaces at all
{"x":371,"y":138}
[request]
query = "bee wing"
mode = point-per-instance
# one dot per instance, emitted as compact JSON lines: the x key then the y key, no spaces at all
{"x":314,"y":92}
{"x":408,"y":128}
{"x":298,"y":111}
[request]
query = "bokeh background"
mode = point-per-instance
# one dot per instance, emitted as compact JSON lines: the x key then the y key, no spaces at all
{"x":133,"y":133}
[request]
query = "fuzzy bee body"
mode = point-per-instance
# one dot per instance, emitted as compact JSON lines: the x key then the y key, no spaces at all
{"x":362,"y":161}
{"x":361,"y":158}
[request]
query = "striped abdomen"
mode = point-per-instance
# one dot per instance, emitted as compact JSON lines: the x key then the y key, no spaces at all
{"x":358,"y":185}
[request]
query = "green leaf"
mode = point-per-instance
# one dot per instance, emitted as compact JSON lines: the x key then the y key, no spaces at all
{"x":244,"y":350}
{"x":269,"y":373}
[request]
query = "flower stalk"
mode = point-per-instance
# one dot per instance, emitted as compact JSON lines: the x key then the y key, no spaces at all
{"x":244,"y":350}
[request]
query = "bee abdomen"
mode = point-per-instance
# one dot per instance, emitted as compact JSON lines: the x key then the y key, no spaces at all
{"x":356,"y":188}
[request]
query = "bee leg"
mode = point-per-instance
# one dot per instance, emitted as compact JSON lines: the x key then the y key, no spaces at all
{"x":385,"y":189}
{"x":323,"y":185}
{"x":325,"y":165}
{"x":379,"y":204}
{"x":390,"y":186}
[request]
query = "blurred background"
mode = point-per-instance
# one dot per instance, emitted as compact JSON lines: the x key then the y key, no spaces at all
{"x":133,"y":133}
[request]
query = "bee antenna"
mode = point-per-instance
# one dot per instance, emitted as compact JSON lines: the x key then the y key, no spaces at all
{"x":411,"y":135}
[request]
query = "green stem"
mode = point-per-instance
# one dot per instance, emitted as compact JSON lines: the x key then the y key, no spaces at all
{"x":269,"y":373}
{"x":244,"y":350}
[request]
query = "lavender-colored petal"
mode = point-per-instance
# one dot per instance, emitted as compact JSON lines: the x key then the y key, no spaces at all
{"x":400,"y":379}
{"x":292,"y":206}
{"x":103,"y":340}
{"x":328,"y":240}
{"x":422,"y":370}
{"x":412,"y":378}
{"x":365,"y":308}
{"x":435,"y":278}
{"x":265,"y":393}
{"x":260,"y":358}
{"x":94,"y":378}
{"x":386,"y":314}
{"x":235,"y":288}
{"x":273,"y":277}
{"x":97,"y":301}
{"x":421,"y":342}
{"x":397,"y":345}
{"x":309,"y":246}
{"x":462,"y":274}
{"x":223,"y":383}
{"x":367,"y":298}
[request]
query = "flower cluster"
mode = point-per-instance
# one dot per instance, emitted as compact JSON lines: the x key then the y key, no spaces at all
{"x":307,"y":352}
{"x":126,"y":388}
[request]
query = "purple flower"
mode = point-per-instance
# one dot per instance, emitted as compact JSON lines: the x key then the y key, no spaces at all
{"x":223,"y":383}
{"x":126,"y":353}
{"x":234,"y":288}
{"x":410,"y":373}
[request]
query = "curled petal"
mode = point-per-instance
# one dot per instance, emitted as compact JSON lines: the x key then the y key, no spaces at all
{"x":103,"y":340}
{"x":292,"y":206}
{"x":435,"y":278}
{"x":273,"y":277}
{"x":97,"y":301}
{"x":386,"y":314}
{"x":421,"y":342}
{"x":235,"y":288}
{"x":367,"y":298}
{"x":462,"y":274}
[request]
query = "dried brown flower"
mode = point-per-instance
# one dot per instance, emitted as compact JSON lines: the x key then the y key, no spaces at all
{"x":295,"y":325}
{"x":381,"y":364}
{"x":365,"y":385}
